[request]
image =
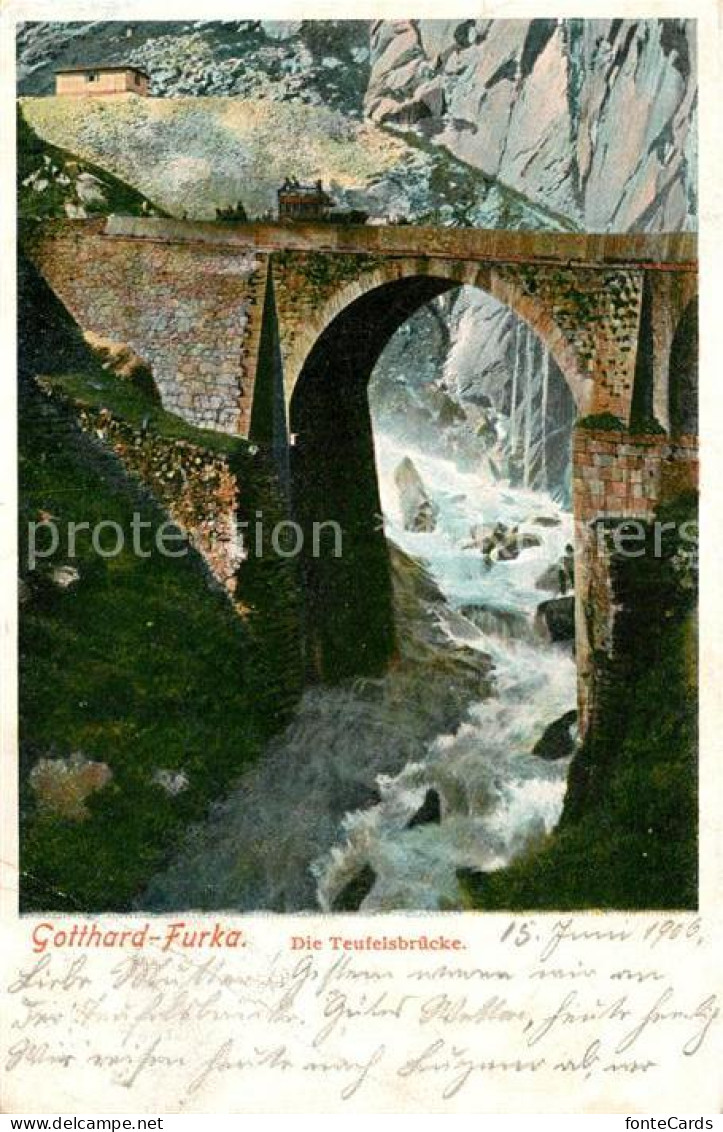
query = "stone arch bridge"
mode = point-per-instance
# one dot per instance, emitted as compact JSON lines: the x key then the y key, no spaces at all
{"x":272,"y":332}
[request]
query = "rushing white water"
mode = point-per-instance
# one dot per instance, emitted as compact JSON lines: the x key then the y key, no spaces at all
{"x":496,"y":797}
{"x":332,"y":796}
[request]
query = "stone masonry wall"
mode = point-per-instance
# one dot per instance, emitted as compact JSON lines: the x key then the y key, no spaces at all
{"x":588,"y":318}
{"x":191,"y":311}
{"x":188,"y":298}
{"x":592,"y":316}
{"x":194,"y":485}
{"x":616,"y":475}
{"x":304,"y":284}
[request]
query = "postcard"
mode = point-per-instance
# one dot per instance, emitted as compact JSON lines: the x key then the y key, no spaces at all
{"x":360,"y":646}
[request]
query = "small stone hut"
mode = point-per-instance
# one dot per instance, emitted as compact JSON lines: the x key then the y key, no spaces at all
{"x":102,"y":80}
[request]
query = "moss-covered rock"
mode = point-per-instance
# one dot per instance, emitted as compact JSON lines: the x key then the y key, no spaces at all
{"x":628,"y":835}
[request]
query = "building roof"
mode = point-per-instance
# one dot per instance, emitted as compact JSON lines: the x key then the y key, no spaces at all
{"x":102,"y":67}
{"x":296,"y":188}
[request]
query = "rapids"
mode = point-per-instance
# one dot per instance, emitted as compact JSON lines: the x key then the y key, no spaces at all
{"x":495,"y":795}
{"x":330,"y":802}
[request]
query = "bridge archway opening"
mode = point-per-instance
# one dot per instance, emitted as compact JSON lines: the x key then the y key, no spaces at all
{"x":470,"y":379}
{"x":334,"y":475}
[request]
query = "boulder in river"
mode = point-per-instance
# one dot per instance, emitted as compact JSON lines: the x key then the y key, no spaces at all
{"x":559,"y":577}
{"x":351,"y":897}
{"x":429,"y":813}
{"x":502,"y":543}
{"x":556,"y":618}
{"x":487,"y":536}
{"x":558,"y":740}
{"x":510,"y":624}
{"x":550,"y":579}
{"x":506,"y":551}
{"x":419,"y":513}
{"x":527,"y":540}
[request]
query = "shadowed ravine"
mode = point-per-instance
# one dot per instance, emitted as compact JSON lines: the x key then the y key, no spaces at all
{"x":378,"y":791}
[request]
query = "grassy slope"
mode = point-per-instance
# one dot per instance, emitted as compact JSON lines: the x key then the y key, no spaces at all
{"x":90,"y":386}
{"x":34,"y":154}
{"x":198,"y":153}
{"x":139,"y":665}
{"x":628,"y":838}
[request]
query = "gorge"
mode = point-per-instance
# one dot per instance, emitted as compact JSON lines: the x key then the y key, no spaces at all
{"x":333,"y":816}
{"x":400,"y":731}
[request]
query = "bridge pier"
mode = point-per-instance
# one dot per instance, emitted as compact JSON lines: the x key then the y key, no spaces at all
{"x":619,"y":482}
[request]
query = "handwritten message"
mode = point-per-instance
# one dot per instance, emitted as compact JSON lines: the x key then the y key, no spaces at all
{"x":554,"y":1011}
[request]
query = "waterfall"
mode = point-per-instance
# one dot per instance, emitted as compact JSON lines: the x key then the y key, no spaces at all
{"x":513,"y":398}
{"x":543,"y":414}
{"x":529,"y":379}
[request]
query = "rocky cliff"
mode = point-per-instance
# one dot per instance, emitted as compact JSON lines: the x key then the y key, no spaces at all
{"x":594,"y":119}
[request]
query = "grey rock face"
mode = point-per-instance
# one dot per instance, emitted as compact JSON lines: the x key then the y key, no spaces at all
{"x":558,"y":740}
{"x":591,"y":121}
{"x":594,"y":119}
{"x":418,"y":510}
{"x":279,"y":60}
{"x":556,"y":618}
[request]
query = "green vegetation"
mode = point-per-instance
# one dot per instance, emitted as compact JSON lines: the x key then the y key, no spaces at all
{"x":50,"y":178}
{"x":93,"y":387}
{"x":603,"y":422}
{"x":646,"y":426}
{"x":139,"y":664}
{"x":321,"y":271}
{"x":628,"y":836}
{"x":195,"y":155}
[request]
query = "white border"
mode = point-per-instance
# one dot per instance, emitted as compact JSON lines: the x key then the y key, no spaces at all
{"x":710,"y":43}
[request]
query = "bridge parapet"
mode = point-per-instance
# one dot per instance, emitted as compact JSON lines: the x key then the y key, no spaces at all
{"x":188,"y":297}
{"x":657,"y":251}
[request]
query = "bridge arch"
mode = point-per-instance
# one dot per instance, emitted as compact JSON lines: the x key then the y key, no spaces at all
{"x":349,"y":615}
{"x":190,"y":298}
{"x":511,"y":288}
